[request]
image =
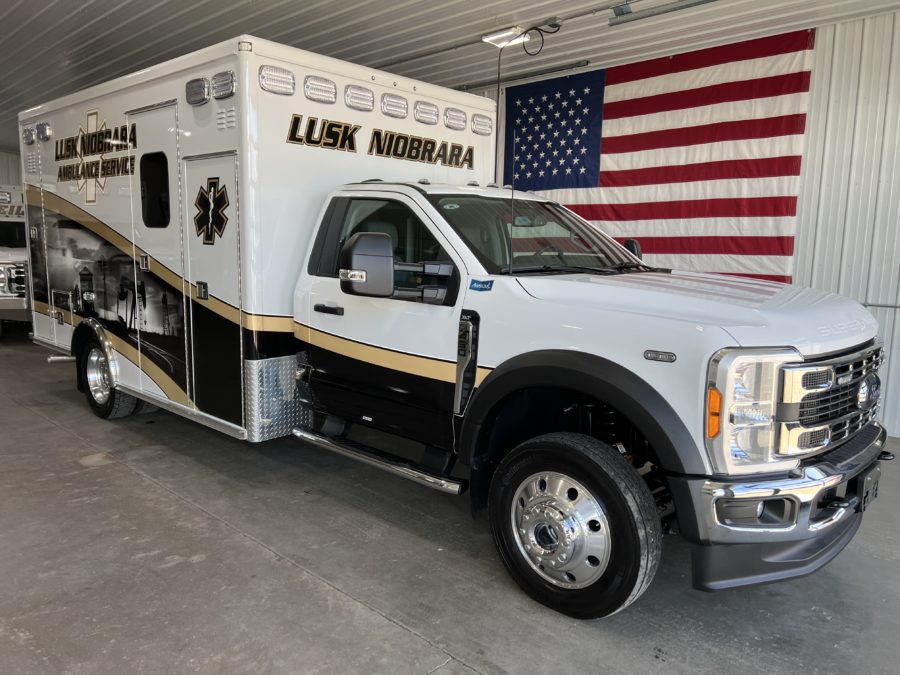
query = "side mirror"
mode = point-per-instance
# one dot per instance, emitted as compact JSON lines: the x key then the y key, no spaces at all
{"x":634,"y":248}
{"x":367,"y":265}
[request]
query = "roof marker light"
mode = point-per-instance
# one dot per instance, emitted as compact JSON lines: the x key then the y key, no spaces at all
{"x":277,"y":80}
{"x":394,"y":106}
{"x":482,"y":125}
{"x":196,"y":91}
{"x":359,"y":98}
{"x":319,"y":89}
{"x":425,"y":112}
{"x":28,"y":135}
{"x":222,"y":84}
{"x":454,"y":118}
{"x":44,"y":132}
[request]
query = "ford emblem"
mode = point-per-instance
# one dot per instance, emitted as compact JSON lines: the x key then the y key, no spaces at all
{"x":867,"y":394}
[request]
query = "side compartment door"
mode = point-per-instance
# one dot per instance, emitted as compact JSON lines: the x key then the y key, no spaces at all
{"x":151,"y":302}
{"x":212,"y":241}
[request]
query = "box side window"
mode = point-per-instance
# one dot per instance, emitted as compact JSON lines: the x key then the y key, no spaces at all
{"x":155,"y":189}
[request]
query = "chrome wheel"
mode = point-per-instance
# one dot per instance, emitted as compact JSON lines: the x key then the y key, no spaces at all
{"x":561,"y":529}
{"x":97,"y":374}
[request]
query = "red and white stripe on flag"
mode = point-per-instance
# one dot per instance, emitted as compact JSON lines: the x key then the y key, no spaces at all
{"x":700,"y":156}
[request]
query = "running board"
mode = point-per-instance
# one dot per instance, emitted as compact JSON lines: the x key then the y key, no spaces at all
{"x":372,"y":457}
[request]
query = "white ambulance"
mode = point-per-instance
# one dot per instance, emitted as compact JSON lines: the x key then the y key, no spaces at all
{"x":13,"y":257}
{"x":272,"y":242}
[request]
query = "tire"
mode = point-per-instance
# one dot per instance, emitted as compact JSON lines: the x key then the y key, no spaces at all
{"x":105,"y":400}
{"x":575,"y":524}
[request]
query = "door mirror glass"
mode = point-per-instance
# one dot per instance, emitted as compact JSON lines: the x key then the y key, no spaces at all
{"x":633,"y":246}
{"x":367,"y":265}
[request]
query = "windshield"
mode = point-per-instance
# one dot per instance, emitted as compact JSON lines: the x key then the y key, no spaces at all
{"x":12,"y":234}
{"x":543,"y":236}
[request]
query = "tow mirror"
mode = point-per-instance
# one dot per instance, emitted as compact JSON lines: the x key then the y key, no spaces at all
{"x":367,"y":265}
{"x":633,"y":246}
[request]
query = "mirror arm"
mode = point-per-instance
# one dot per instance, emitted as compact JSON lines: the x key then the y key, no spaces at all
{"x":432,"y":269}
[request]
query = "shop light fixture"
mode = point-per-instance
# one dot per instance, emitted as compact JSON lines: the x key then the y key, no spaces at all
{"x":514,"y":35}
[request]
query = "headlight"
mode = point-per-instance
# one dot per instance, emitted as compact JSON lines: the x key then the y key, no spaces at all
{"x":741,"y":405}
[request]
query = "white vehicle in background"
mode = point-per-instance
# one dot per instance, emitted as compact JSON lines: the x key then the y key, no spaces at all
{"x":272,"y":242}
{"x":13,"y":257}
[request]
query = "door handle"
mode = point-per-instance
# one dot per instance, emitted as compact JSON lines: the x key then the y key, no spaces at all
{"x":328,"y":309}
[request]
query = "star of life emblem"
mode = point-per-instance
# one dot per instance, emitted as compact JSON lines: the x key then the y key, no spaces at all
{"x":211,"y":203}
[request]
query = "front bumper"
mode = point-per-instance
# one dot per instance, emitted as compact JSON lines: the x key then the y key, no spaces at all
{"x":758,"y":531}
{"x":14,"y":309}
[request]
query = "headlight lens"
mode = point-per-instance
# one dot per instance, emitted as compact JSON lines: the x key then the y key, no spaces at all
{"x":742,"y":402}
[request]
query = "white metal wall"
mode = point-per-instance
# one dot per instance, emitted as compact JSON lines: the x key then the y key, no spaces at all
{"x":10,"y":173}
{"x":849,"y":208}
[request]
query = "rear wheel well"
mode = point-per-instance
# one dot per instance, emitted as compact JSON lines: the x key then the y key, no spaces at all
{"x":534,"y":411}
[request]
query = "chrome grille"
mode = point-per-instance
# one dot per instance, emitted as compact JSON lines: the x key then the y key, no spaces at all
{"x":12,"y":281}
{"x":823,"y":401}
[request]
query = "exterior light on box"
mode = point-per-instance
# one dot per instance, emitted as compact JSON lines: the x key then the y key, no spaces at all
{"x":222,"y":84}
{"x":482,"y":125}
{"x":319,"y":89}
{"x":277,"y":80}
{"x":5,"y":198}
{"x":394,"y":106}
{"x":196,"y":91}
{"x":359,"y":98}
{"x":28,"y":135}
{"x":514,"y":35}
{"x":43,"y":130}
{"x":454,"y":118}
{"x":425,"y":112}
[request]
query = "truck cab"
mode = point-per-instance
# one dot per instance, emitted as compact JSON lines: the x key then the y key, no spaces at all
{"x":582,"y":395}
{"x":13,"y":256}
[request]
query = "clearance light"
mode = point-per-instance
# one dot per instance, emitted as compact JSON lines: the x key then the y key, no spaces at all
{"x":482,"y":125}
{"x":222,"y":84}
{"x":277,"y":80}
{"x":44,"y":132}
{"x":454,"y":118}
{"x":28,"y":135}
{"x":394,"y":106}
{"x":319,"y":89}
{"x":196,"y":91}
{"x":359,"y":98}
{"x":425,"y":112}
{"x":514,"y":35}
{"x":713,"y":412}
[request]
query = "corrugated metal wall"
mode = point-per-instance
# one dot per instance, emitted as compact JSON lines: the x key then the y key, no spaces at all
{"x":849,"y":210}
{"x":10,"y":172}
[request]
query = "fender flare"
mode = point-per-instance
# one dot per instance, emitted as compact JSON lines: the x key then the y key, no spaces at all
{"x":93,"y":328}
{"x":594,"y":376}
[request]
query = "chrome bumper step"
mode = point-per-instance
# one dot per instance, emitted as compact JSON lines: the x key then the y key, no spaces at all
{"x":379,"y":460}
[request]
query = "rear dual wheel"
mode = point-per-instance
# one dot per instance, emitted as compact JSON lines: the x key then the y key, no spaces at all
{"x":575,"y":524}
{"x":105,"y":400}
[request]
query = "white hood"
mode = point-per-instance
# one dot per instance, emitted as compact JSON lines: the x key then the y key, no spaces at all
{"x":754,"y":313}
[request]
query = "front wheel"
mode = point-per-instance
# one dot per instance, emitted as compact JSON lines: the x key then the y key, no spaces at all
{"x":575,"y":524}
{"x":104,"y":399}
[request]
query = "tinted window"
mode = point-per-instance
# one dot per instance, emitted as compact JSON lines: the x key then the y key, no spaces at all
{"x":12,"y":233}
{"x":155,"y":189}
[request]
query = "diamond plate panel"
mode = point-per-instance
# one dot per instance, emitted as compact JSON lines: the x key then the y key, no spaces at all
{"x":275,"y":398}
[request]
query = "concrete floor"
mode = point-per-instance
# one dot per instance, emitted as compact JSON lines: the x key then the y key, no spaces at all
{"x":152,"y":544}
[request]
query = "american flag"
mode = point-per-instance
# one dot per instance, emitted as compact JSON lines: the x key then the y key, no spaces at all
{"x":697,"y":155}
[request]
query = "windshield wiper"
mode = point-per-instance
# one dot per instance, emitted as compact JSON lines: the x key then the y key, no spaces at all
{"x":574,"y":269}
{"x":622,"y":266}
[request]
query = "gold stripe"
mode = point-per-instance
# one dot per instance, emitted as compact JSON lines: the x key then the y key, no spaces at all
{"x":480,"y":374}
{"x":271,"y":324}
{"x":170,"y":388}
{"x":422,"y":366}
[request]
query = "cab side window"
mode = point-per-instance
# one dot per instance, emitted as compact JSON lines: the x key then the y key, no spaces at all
{"x":412,"y":241}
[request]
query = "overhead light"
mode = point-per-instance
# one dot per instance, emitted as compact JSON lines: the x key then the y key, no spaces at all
{"x":626,"y":16}
{"x":514,"y":35}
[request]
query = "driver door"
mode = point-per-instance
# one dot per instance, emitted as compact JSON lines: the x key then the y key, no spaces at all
{"x":388,"y":363}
